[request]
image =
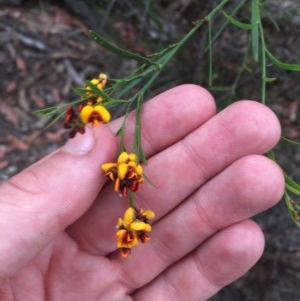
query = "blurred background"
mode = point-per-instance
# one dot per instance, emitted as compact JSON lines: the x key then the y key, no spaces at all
{"x":45,"y":52}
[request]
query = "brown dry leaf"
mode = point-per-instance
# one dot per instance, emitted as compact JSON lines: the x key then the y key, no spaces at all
{"x":11,"y":86}
{"x":21,"y":64}
{"x":61,"y":17}
{"x":56,"y":95}
{"x":33,"y":96}
{"x":55,"y":136}
{"x":4,"y":164}
{"x":3,"y":150}
{"x":291,"y":132}
{"x":23,"y":101}
{"x":16,"y":143}
{"x":9,"y":113}
{"x":293,"y":110}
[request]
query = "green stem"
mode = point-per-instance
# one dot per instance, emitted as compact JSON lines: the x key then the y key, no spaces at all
{"x":137,"y":147}
{"x":210,"y":72}
{"x":263,"y":58}
{"x":131,"y":199}
{"x":168,"y":55}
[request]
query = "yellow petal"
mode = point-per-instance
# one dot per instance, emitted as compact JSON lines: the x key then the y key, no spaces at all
{"x":122,"y":170}
{"x":104,"y":113}
{"x":99,"y":100}
{"x":139,"y":169}
{"x":85,"y":113}
{"x":147,"y":228}
{"x":95,"y":81}
{"x":148,"y":214}
{"x":107,"y":166}
{"x":102,"y":80}
{"x":138,"y":225}
{"x":123,"y":157}
{"x":132,"y":157}
{"x":129,"y":216}
{"x":120,"y":222}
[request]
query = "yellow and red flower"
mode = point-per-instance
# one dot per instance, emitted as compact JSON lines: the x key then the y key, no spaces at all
{"x":77,"y":117}
{"x":90,"y":111}
{"x":94,"y":114}
{"x":126,"y":173}
{"x":72,"y":122}
{"x":100,"y":83}
{"x":133,"y":228}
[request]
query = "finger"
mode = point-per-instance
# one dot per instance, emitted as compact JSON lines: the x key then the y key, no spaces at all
{"x":166,"y":119}
{"x":243,"y":128}
{"x":41,"y":201}
{"x":248,"y":186}
{"x":222,"y":259}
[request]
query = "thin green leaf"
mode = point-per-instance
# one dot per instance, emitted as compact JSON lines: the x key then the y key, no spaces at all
{"x":114,"y":103}
{"x":290,"y":140}
{"x":270,"y":79}
{"x":292,"y":189}
{"x":137,"y":135}
{"x":149,"y":181}
{"x":238,"y":23}
{"x":46,"y":111}
{"x":271,"y":155}
{"x":98,"y":91}
{"x":122,"y":52}
{"x":210,"y":63}
{"x":255,"y":30}
{"x":79,"y":91}
{"x":120,"y":131}
{"x":55,"y":119}
{"x":279,"y":64}
{"x":293,"y":208}
{"x":236,"y":8}
{"x":291,"y":185}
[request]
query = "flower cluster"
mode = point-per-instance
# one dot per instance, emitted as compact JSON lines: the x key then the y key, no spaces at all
{"x":91,"y":112}
{"x":127,"y":175}
{"x":133,"y":228}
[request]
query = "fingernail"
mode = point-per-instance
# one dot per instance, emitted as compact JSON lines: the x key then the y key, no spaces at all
{"x":81,"y":144}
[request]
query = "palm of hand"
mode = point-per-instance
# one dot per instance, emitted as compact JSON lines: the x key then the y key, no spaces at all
{"x":210,"y":179}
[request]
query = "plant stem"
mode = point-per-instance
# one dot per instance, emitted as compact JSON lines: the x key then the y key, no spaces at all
{"x":263,"y":58}
{"x":168,"y":55}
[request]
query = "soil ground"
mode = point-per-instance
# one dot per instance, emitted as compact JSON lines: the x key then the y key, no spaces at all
{"x":45,"y":51}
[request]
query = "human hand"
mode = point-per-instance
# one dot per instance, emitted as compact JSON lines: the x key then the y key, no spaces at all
{"x":57,"y":218}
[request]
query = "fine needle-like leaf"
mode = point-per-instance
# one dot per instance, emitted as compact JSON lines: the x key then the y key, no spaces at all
{"x":121,"y":52}
{"x":238,"y":23}
{"x":255,"y":29}
{"x":281,"y":65}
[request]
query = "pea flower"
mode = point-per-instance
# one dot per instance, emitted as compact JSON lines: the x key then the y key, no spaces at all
{"x":73,"y":122}
{"x":133,"y":228}
{"x":126,"y":173}
{"x":94,"y":114}
{"x":100,"y":83}
{"x":90,"y":111}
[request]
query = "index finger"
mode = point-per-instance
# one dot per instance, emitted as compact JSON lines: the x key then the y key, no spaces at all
{"x":168,"y":117}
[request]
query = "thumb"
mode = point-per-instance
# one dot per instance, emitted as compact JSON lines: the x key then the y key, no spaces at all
{"x":41,"y":201}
